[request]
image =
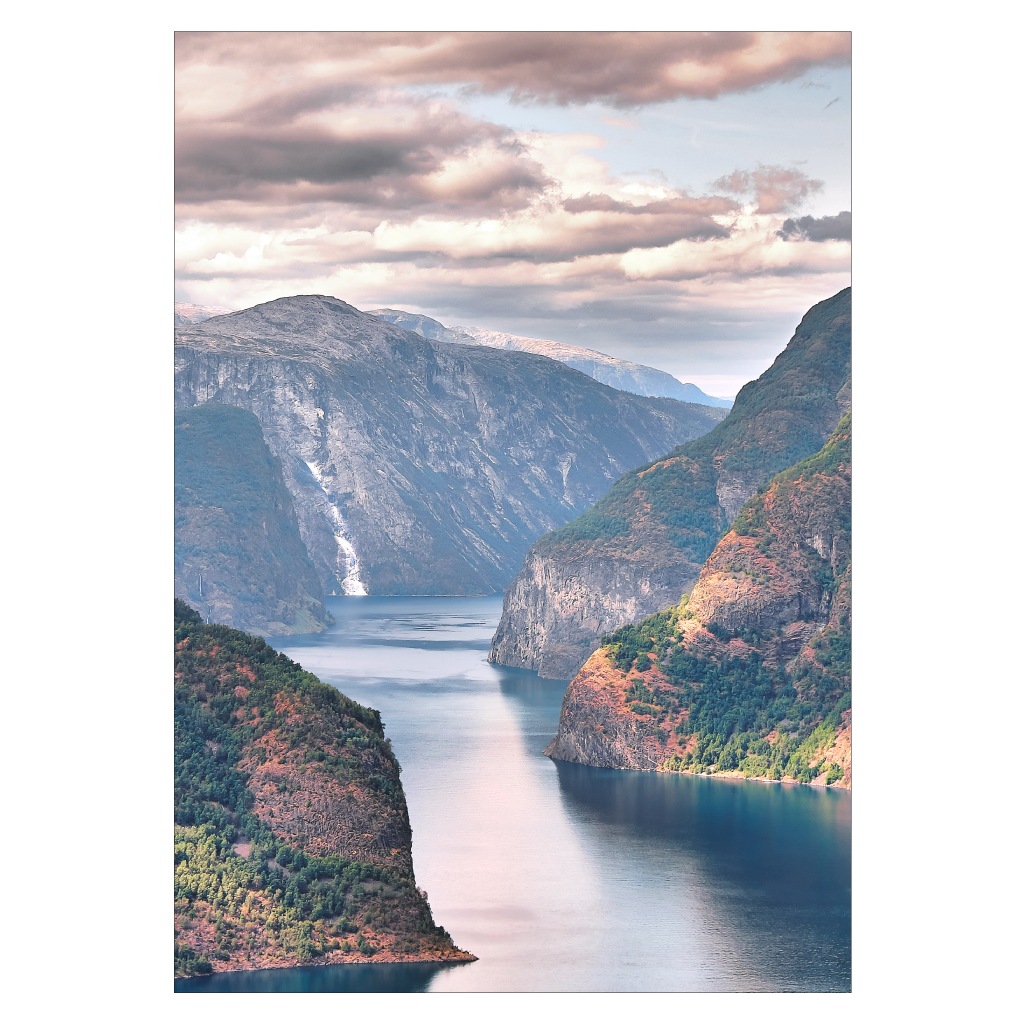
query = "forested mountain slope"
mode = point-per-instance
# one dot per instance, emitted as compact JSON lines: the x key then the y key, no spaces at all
{"x":643,"y":544}
{"x":420,"y":466}
{"x":751,"y":674}
{"x":238,"y":556}
{"x":291,"y":833}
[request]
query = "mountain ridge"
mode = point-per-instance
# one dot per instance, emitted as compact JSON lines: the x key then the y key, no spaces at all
{"x":622,"y":374}
{"x":419,"y":466}
{"x":634,"y":551}
{"x":750,"y":675}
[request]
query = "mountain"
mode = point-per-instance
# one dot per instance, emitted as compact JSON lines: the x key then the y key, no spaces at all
{"x":750,"y":675}
{"x":644,"y":543}
{"x":419,"y":466}
{"x":235,"y":527}
{"x":617,"y":373}
{"x":186,"y":313}
{"x":292,"y":841}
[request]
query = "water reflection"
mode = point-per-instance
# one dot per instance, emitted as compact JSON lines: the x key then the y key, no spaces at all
{"x":566,"y":878}
{"x":768,"y":865}
{"x":334,"y":978}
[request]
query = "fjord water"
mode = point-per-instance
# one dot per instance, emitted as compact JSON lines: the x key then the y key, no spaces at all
{"x":561,"y":877}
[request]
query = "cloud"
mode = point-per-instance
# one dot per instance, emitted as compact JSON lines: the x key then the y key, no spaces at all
{"x":395,"y":154}
{"x":310,"y":163}
{"x":623,"y":69}
{"x":819,"y":229}
{"x":775,"y":189}
{"x":548,"y":233}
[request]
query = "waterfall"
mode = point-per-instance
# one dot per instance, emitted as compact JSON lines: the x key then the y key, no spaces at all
{"x":348,"y":562}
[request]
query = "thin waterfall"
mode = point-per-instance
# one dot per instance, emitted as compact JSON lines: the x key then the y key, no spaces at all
{"x":348,"y":562}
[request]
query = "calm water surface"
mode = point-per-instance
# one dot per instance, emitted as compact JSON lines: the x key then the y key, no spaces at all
{"x":561,"y":877}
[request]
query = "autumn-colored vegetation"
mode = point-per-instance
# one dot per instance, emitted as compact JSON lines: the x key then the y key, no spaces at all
{"x":327,"y":879}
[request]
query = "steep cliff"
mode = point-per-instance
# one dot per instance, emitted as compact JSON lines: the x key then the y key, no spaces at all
{"x":622,"y":374}
{"x":292,"y":841}
{"x":750,"y":675}
{"x":420,"y":466}
{"x":644,"y":543}
{"x":238,"y":555}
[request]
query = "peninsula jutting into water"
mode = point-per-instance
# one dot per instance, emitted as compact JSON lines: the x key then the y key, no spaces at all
{"x":628,"y":881}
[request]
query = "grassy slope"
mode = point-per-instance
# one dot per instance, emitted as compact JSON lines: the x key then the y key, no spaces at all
{"x":776,"y":420}
{"x":267,"y":755}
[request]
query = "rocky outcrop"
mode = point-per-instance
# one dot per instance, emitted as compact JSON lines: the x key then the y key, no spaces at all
{"x":705,"y":686}
{"x":596,"y":726}
{"x":787,"y":552}
{"x":644,"y":543}
{"x":565,"y":607}
{"x":617,"y":373}
{"x":238,"y":555}
{"x":420,"y":466}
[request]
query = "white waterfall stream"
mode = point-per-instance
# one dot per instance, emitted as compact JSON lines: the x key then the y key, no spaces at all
{"x":348,"y":561}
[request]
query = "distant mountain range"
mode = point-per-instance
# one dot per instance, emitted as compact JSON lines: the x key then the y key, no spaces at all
{"x":621,"y":374}
{"x":186,"y":313}
{"x":418,"y":466}
{"x":617,"y":373}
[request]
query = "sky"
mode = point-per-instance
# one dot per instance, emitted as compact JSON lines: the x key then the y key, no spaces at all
{"x":678,"y":199}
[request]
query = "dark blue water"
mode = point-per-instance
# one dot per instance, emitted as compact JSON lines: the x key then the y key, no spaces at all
{"x":561,"y":877}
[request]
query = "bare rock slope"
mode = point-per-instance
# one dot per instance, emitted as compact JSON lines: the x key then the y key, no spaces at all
{"x":419,"y":466}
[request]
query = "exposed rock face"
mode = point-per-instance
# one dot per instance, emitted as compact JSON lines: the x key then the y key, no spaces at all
{"x":419,"y":466}
{"x":778,"y":565}
{"x":596,"y":726}
{"x":644,"y":543}
{"x":238,"y":556}
{"x":772,"y":608}
{"x":617,"y":373}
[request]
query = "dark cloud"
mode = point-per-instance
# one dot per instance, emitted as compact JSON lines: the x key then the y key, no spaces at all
{"x":388,"y":165}
{"x":818,"y":229}
{"x":624,"y":69}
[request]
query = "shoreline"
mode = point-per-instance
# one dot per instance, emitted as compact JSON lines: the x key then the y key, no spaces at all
{"x":731,"y":776}
{"x":459,"y":956}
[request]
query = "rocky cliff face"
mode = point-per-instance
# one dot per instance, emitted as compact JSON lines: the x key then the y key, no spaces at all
{"x":617,"y":373}
{"x":292,"y":840}
{"x":419,"y":466}
{"x":644,"y":543}
{"x":238,"y":555}
{"x":751,"y":674}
